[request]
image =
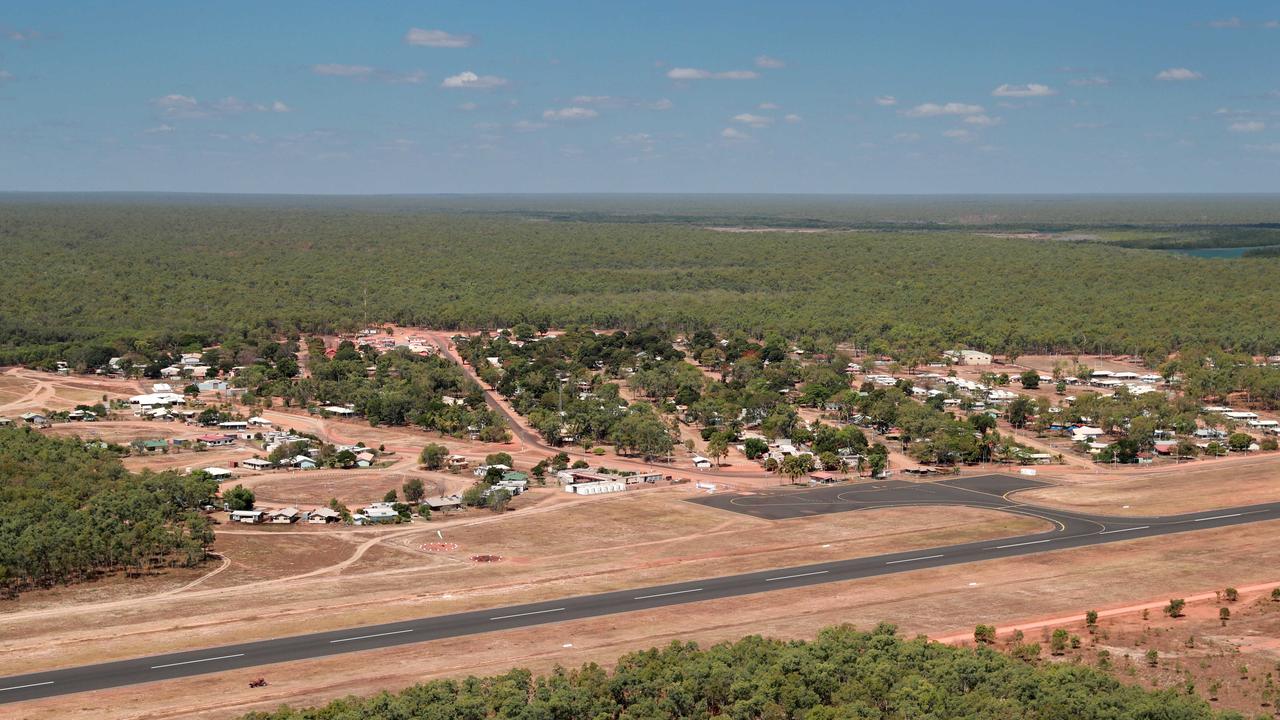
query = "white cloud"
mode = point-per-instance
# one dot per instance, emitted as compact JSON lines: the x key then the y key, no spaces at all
{"x":438,"y":39}
{"x":643,"y":142}
{"x":959,"y":135}
{"x":569,"y":113}
{"x":1089,"y":125}
{"x":338,"y":70}
{"x":1271,"y":148}
{"x":793,"y":118}
{"x":5,"y":76}
{"x":661,"y":104}
{"x":699,"y":74}
{"x":983,"y":120}
{"x":764,"y":61}
{"x":1178,"y":73}
{"x":907,"y":137}
{"x":1247,"y":126}
{"x":1231,"y":22}
{"x":527,"y":126}
{"x":1022,"y":91}
{"x":1094,"y":80}
{"x":951,"y":108}
{"x":177,"y":106}
{"x":887,"y":100}
{"x":593,"y":100}
{"x":755,"y":121}
{"x":159,"y":129}
{"x":1271,"y":24}
{"x":734,"y":134}
{"x":767,"y":106}
{"x":468,"y":79}
{"x":21,"y":36}
{"x":468,"y":106}
{"x":365,"y":72}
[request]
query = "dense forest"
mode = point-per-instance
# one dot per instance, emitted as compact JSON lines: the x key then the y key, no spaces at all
{"x":110,"y":275}
{"x":69,"y":511}
{"x":843,"y":673}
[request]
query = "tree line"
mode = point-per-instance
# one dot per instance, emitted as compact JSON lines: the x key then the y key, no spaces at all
{"x":70,"y":511}
{"x":843,"y":673}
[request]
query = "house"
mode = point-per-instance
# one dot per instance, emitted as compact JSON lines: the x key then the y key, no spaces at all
{"x":457,"y":462}
{"x":324,"y":515}
{"x":596,"y":487}
{"x":1084,"y":433}
{"x":284,"y":516}
{"x":4,"y":421}
{"x":482,"y":470}
{"x":257,"y":464}
{"x":218,"y":473}
{"x":149,"y":446}
{"x":381,"y":512}
{"x":441,"y":503}
{"x":365,"y":459}
{"x":35,"y":418}
{"x":1240,"y":415}
{"x":259,"y":421}
{"x":515,"y":487}
{"x":970,"y":357}
{"x":339,"y":410}
{"x":216,"y":440}
{"x":247,"y":516}
{"x":302,"y":462}
{"x":212,"y":386}
{"x":643,"y":477}
{"x":157,"y":399}
{"x":701,"y":463}
{"x":823,"y":478}
{"x":161,"y":388}
{"x":234,"y":425}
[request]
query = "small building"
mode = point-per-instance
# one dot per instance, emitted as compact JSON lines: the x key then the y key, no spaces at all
{"x":643,"y":477}
{"x":234,"y":425}
{"x":216,"y":440}
{"x":257,"y":464}
{"x":970,"y":357}
{"x":365,"y":459}
{"x":302,"y":462}
{"x":149,"y":446}
{"x":218,"y":473}
{"x":701,"y":463}
{"x":284,"y":516}
{"x":247,"y":516}
{"x":323,"y":516}
{"x":259,"y":421}
{"x":597,"y":487}
{"x":339,"y":410}
{"x":440,"y":503}
{"x":381,"y":512}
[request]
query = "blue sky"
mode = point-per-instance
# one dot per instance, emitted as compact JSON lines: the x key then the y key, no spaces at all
{"x":691,"y":96}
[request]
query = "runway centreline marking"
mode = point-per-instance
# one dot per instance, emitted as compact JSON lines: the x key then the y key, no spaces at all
{"x":1031,"y":542}
{"x":201,"y":660}
{"x":665,"y":594}
{"x":535,"y":612}
{"x":19,"y":687}
{"x":1217,"y":517}
{"x":914,"y":559}
{"x":375,"y":635}
{"x":1141,"y":527}
{"x":800,"y":575}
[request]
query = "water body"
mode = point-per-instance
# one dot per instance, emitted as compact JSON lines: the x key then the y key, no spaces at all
{"x":1228,"y":252}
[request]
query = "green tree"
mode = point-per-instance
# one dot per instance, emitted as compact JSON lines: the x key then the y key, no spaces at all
{"x":238,"y":498}
{"x":413,"y":490}
{"x":1030,"y":379}
{"x":1175,"y":607}
{"x":755,"y":448}
{"x":433,"y":456}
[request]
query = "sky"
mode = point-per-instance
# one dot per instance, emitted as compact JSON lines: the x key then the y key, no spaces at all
{"x":684,"y":96}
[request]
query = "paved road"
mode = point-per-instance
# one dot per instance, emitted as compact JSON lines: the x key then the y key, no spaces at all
{"x":992,"y":491}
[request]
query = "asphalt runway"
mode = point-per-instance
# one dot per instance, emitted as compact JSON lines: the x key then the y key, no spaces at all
{"x":1071,"y":530}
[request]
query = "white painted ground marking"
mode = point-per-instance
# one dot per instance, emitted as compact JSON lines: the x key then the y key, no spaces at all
{"x":1140,"y":527}
{"x":1218,"y":517}
{"x":673,"y":592}
{"x":19,"y":687}
{"x":788,"y":577}
{"x":366,"y":637}
{"x":914,"y":559}
{"x":535,"y":612}
{"x":1030,"y":542}
{"x":189,"y":662}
